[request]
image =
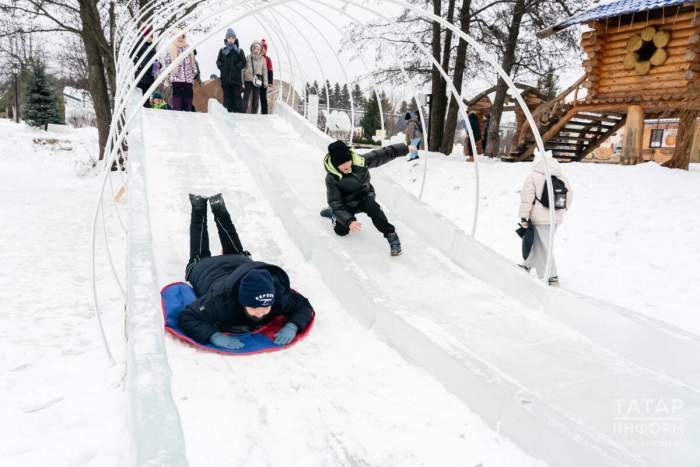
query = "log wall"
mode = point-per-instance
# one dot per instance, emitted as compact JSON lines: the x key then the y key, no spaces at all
{"x":610,"y":82}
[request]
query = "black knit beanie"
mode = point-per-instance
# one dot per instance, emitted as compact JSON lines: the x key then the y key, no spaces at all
{"x":339,"y":152}
{"x":408,"y":116}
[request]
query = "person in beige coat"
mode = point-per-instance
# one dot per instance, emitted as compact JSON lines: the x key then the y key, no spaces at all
{"x":532,"y":211}
{"x":254,"y":75}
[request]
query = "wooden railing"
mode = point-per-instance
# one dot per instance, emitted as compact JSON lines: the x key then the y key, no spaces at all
{"x":554,"y":103}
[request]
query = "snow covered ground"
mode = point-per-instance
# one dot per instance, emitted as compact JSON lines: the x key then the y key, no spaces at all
{"x":630,"y":237}
{"x":60,"y":403}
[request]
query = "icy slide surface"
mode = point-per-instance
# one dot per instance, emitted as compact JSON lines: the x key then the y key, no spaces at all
{"x":556,"y":393}
{"x":341,"y":396}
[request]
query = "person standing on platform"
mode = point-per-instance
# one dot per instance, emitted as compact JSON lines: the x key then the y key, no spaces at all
{"x":270,"y":80}
{"x":182,"y":76}
{"x":255,"y":77}
{"x":231,"y":62}
{"x":148,"y":62}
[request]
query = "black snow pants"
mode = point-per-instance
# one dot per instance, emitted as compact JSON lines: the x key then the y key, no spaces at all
{"x":251,"y":89}
{"x":232,"y":97}
{"x":370,"y":207}
{"x":263,"y":100}
{"x":199,"y":237}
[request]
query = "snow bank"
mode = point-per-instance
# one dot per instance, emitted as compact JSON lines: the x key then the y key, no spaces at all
{"x":154,"y":422}
{"x":60,"y":403}
{"x":628,"y":239}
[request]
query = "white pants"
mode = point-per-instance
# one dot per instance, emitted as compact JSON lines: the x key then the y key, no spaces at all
{"x":538,"y":255}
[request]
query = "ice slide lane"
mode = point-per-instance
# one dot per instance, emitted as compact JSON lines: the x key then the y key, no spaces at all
{"x":555,"y":393}
{"x":341,"y":397}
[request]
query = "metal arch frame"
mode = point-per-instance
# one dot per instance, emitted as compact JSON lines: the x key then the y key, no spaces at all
{"x":318,"y":61}
{"x":337,"y":57}
{"x":166,"y":44}
{"x":375,"y":88}
{"x":401,"y":67}
{"x":288,"y":51}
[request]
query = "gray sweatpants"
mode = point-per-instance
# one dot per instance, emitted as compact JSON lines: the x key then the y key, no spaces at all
{"x":538,"y":254}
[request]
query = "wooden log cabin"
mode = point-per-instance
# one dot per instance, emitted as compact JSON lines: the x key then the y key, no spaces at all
{"x":642,"y":61}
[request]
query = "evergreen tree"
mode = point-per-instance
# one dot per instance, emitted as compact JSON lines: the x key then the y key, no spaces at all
{"x":345,"y":98}
{"x":358,"y":97}
{"x":404,"y":108}
{"x":320,"y":92}
{"x":41,"y":107}
{"x":371,"y":122}
{"x":414,"y":105}
{"x":335,"y":102}
{"x":549,"y":83}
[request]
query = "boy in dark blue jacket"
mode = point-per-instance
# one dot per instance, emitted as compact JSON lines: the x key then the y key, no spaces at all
{"x":236,"y":294}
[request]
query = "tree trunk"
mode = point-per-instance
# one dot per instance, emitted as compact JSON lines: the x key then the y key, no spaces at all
{"x":695,"y":150}
{"x":436,"y":79}
{"x":684,"y":141}
{"x":448,"y":138}
{"x":634,"y":136}
{"x":91,"y":34}
{"x":501,"y":87}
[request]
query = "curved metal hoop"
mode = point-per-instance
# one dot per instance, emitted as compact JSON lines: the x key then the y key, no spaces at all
{"x":124,"y":114}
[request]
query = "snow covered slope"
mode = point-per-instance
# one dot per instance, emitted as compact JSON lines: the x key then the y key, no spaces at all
{"x":341,"y":396}
{"x":516,"y":364}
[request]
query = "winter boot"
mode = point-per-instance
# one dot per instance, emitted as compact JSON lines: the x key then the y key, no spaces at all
{"x":525,"y":268}
{"x":326,"y":212}
{"x":217,"y":204}
{"x":199,"y":203}
{"x":554,"y":281}
{"x":395,"y":244}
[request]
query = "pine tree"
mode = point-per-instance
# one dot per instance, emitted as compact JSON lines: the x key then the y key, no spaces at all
{"x":345,"y":98}
{"x":358,"y":97}
{"x":404,"y":108}
{"x":371,"y":122}
{"x":41,"y":107}
{"x":549,"y":83}
{"x":320,"y":92}
{"x":414,"y":105}
{"x":335,"y":102}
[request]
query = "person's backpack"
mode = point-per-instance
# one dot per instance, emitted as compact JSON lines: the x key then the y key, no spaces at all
{"x":420,"y":126}
{"x":559,"y":189}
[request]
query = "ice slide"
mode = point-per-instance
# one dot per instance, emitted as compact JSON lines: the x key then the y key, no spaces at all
{"x":548,"y":382}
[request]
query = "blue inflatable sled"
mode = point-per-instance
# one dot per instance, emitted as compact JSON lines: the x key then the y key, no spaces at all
{"x":178,"y":295}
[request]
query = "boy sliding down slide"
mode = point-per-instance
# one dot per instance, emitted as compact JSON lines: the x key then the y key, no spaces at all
{"x":349,"y":191}
{"x":236,"y":294}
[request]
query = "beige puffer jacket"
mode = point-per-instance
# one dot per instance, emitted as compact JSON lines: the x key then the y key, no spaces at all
{"x":534,"y":185}
{"x":255,"y":65}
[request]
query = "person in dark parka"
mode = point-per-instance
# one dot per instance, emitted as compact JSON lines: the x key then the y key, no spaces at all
{"x":476,"y":129}
{"x":230,"y":62}
{"x":235,"y":294}
{"x":148,"y":62}
{"x":349,"y":190}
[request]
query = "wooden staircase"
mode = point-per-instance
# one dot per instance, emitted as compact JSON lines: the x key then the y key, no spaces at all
{"x":569,"y":131}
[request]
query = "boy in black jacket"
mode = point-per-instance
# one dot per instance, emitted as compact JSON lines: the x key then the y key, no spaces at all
{"x":236,"y":294}
{"x":349,"y":191}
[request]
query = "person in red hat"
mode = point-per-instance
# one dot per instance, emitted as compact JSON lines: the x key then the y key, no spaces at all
{"x":263,"y":91}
